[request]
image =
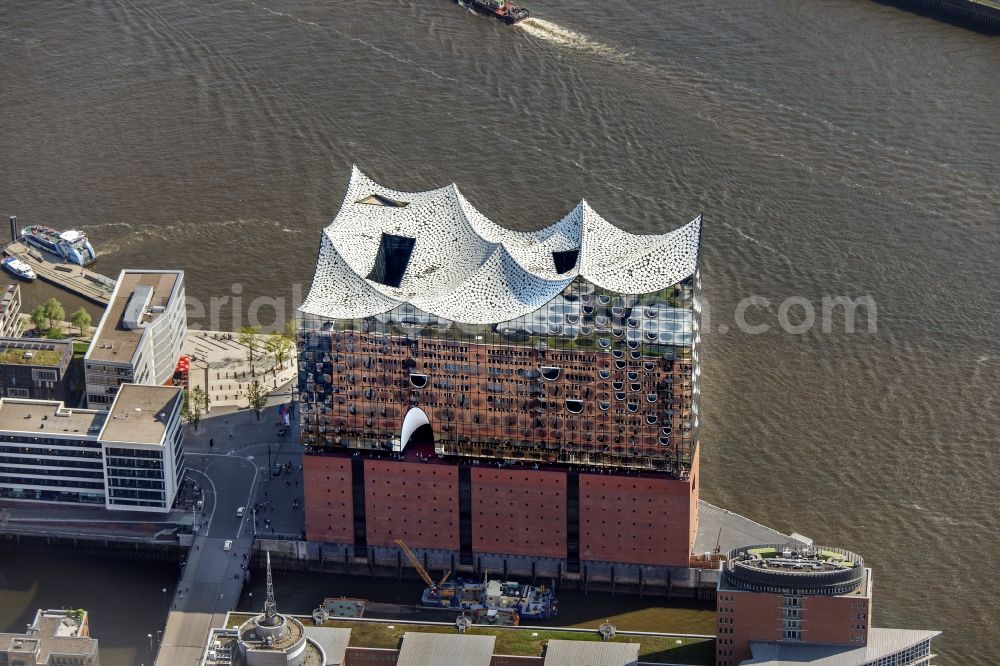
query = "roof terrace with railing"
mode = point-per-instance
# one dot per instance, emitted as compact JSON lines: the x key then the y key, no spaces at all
{"x":795,"y":569}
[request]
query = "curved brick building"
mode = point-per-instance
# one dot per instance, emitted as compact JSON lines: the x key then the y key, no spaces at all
{"x":486,"y":393}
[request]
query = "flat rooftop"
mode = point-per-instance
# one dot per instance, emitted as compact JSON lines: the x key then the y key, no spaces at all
{"x":116,"y":340}
{"x":49,"y":417}
{"x":653,"y":648}
{"x":53,"y":633}
{"x":419,"y":649}
{"x":590,"y":653}
{"x":135,"y":414}
{"x":26,"y":351}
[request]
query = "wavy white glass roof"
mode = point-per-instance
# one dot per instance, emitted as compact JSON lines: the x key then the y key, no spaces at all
{"x":467,"y":269}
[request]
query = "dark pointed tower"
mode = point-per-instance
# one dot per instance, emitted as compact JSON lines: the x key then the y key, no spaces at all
{"x":271,"y":617}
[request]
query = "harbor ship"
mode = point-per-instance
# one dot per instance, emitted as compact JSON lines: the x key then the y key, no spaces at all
{"x":489,"y":601}
{"x":507,"y":12}
{"x":523,"y":602}
{"x":71,"y":246}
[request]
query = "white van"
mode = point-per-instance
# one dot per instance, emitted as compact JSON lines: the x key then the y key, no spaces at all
{"x":240,"y":511}
{"x":228,"y":545}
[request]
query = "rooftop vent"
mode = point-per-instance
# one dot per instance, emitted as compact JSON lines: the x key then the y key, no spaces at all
{"x":393,"y":256}
{"x":135,"y":311}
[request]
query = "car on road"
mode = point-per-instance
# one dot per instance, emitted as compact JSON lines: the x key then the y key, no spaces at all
{"x":240,"y":511}
{"x":228,"y":545}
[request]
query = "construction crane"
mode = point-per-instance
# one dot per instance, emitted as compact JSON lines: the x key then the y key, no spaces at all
{"x":412,"y":557}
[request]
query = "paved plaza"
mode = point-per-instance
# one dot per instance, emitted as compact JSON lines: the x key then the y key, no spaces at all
{"x":220,"y":365}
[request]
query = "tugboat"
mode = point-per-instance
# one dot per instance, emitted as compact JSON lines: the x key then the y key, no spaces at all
{"x":19,"y":268}
{"x":71,"y":246}
{"x":507,"y":12}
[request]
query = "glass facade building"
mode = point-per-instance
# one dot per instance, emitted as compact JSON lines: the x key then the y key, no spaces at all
{"x":528,"y":352}
{"x":500,"y":397}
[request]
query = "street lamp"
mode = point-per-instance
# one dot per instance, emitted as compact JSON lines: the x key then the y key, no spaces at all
{"x":150,"y":636}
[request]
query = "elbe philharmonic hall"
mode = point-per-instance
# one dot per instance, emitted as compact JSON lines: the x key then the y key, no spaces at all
{"x":491,"y":395}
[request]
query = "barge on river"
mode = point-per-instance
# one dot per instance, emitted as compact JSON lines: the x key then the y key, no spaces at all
{"x":506,"y":11}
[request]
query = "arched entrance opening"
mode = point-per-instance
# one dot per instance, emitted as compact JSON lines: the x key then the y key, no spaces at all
{"x":414,"y":421}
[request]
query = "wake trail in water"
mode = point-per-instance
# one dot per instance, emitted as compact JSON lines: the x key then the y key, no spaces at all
{"x":556,"y":34}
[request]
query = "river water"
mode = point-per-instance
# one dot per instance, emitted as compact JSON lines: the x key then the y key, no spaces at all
{"x":838,"y":148}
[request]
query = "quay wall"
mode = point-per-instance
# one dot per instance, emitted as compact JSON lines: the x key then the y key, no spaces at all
{"x":386,"y":562}
{"x":103,"y":547}
{"x":977,"y":15}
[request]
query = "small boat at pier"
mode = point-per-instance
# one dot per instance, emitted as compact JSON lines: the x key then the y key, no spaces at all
{"x":15,"y":266}
{"x":506,"y":11}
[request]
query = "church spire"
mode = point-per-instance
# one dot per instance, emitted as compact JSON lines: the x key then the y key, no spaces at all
{"x":270,"y":608}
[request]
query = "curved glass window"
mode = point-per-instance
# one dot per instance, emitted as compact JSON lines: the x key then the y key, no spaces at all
{"x":418,"y":381}
{"x":604,"y":406}
{"x":574,"y":406}
{"x":550,"y":373}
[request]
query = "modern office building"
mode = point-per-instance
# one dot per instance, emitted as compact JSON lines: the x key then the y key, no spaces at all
{"x":140,"y":336}
{"x":10,"y":311}
{"x":128,"y":458}
{"x":481,"y":391}
{"x":38,"y":369}
{"x":54,"y":638}
{"x":797,"y":602}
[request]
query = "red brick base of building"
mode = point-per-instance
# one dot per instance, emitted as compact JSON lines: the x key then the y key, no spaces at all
{"x":575,"y":515}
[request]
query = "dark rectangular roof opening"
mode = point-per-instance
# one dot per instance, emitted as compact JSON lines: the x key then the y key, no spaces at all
{"x":379,"y":200}
{"x":565,"y":260}
{"x":390,"y":263}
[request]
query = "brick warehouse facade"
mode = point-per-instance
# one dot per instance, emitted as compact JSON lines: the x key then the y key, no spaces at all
{"x":478,"y":391}
{"x":648,"y":520}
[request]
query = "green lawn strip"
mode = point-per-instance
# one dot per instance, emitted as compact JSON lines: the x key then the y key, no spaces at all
{"x":39,"y":357}
{"x":523,"y":642}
